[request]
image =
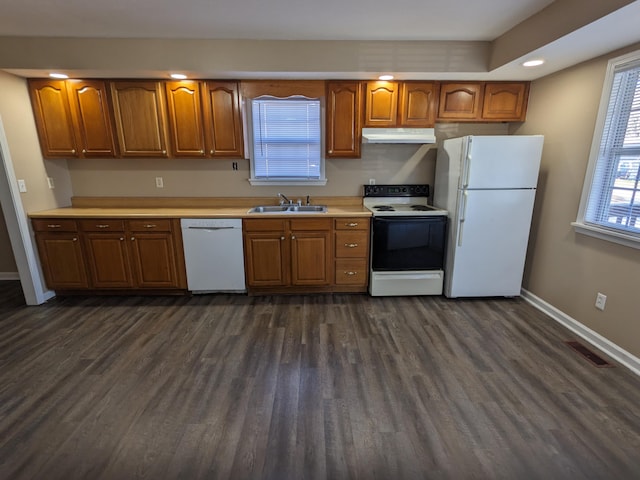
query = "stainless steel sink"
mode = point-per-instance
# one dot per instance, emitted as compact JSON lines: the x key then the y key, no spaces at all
{"x":269,"y":209}
{"x":308,"y":208}
{"x":289,"y":209}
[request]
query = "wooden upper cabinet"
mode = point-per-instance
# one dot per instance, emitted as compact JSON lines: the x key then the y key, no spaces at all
{"x":53,"y":118}
{"x":505,"y":101}
{"x":140,"y":118}
{"x":344,"y":126}
{"x":460,"y":101}
{"x":418,"y":104}
{"x":184,"y":112}
{"x":222,"y":115}
{"x":91,"y":118}
{"x":381,"y":104}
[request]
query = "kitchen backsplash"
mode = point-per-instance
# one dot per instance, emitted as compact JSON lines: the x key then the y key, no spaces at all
{"x":216,"y":178}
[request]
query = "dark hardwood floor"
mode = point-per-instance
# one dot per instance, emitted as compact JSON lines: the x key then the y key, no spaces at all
{"x":305,"y":387}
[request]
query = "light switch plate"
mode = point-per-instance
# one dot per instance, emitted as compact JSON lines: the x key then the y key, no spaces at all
{"x":22,"y":186}
{"x":159,"y":182}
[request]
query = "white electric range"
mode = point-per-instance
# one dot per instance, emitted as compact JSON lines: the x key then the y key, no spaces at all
{"x":407,"y":240}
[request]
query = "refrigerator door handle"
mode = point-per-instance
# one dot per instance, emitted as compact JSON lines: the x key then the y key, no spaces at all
{"x":461,"y":217}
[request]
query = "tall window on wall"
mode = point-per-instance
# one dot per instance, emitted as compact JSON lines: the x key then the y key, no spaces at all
{"x":286,"y":146}
{"x":610,"y":205}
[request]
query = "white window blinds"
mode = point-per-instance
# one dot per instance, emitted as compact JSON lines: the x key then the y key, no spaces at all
{"x":286,"y":139}
{"x":614,"y":197}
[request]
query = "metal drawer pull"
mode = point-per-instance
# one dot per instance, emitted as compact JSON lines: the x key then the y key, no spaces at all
{"x":350,"y":273}
{"x":352,"y":224}
{"x":102,"y":226}
{"x":149,"y":225}
{"x":54,"y":225}
{"x":351,"y":245}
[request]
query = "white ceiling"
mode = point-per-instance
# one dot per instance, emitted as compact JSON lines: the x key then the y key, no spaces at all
{"x":267,"y":19}
{"x":361,"y":20}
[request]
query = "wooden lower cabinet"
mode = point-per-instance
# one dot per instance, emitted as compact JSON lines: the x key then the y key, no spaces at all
{"x":61,"y":253}
{"x":303,"y":254}
{"x":111,"y":254}
{"x":352,"y":252}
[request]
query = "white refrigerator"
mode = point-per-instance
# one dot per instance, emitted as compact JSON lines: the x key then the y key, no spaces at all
{"x":488,"y":186}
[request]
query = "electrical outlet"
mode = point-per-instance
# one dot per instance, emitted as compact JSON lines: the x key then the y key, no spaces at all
{"x":372,"y":181}
{"x":159,"y":182}
{"x":601,"y":300}
{"x":22,"y":186}
{"x":50,"y":182}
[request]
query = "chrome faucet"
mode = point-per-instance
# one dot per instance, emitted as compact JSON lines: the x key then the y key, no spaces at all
{"x":284,"y":199}
{"x":308,"y":199}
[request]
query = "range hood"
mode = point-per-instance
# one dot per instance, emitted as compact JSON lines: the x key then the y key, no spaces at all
{"x":398,"y":135}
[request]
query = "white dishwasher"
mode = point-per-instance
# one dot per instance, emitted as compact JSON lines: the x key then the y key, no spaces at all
{"x":213,"y":254}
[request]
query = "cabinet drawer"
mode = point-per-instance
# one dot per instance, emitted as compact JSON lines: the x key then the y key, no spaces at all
{"x":149,"y":225}
{"x":102,"y":225}
{"x":351,"y":223}
{"x":351,"y":244}
{"x":352,"y":272}
{"x":54,"y":225}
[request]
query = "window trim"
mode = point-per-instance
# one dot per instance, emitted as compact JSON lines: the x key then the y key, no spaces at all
{"x":275,"y":181}
{"x":581,"y":225}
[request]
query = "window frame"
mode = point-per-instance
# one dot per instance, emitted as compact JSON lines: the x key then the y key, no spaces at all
{"x":582,"y":225}
{"x":260,"y":181}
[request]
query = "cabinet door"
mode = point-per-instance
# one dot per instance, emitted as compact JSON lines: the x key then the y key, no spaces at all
{"x":154,"y":260}
{"x":184,"y":110}
{"x":344,"y":127}
{"x":266,"y":257}
{"x":108,"y":260}
{"x":311,"y":259}
{"x":418,"y":102}
{"x":53,"y":118}
{"x":506,"y":102}
{"x":140,"y":118}
{"x":381,"y":104}
{"x":92,"y":120}
{"x":223,"y":120}
{"x":62,"y":260}
{"x":460,"y":101}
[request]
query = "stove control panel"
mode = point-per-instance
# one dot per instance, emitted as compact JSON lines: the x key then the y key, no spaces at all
{"x":396,"y":190}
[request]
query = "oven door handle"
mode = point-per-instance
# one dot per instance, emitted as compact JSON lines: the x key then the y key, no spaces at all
{"x":461,"y":217}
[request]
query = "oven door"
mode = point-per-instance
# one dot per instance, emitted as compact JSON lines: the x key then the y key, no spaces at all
{"x":408,"y":243}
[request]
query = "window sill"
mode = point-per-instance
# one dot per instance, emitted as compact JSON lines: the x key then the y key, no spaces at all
{"x":280,"y":181}
{"x":627,"y":240}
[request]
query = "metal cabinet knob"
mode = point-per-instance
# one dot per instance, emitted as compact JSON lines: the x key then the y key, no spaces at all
{"x":133,"y":238}
{"x":75,"y":239}
{"x":84,"y":150}
{"x":73,"y":150}
{"x":122,"y":239}
{"x":211,"y":152}
{"x":281,"y":238}
{"x":293,"y":237}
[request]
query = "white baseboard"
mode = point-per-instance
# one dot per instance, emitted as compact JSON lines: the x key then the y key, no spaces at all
{"x":9,"y":276}
{"x":607,"y":346}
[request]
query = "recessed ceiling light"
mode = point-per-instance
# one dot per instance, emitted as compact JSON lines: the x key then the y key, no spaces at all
{"x":178,"y":76}
{"x":532,"y":63}
{"x":58,"y":75}
{"x":385,"y":77}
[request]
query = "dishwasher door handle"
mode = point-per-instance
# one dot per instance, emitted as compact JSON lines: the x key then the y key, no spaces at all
{"x":211,"y":228}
